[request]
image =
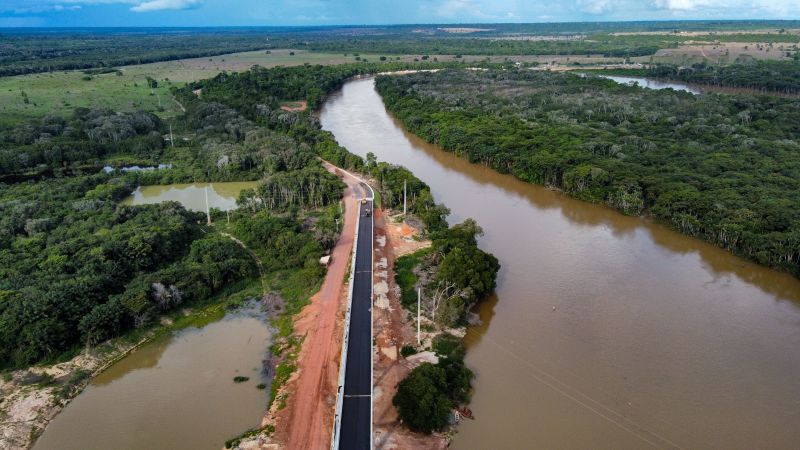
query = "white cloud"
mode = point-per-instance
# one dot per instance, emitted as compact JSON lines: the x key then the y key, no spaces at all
{"x":595,"y":6}
{"x":682,"y":5}
{"x":41,"y":6}
{"x":160,"y":5}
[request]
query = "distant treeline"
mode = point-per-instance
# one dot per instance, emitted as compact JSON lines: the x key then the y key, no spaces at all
{"x":22,"y":53}
{"x":26,"y":51}
{"x":767,"y":76}
{"x":719,"y":167}
{"x":259,"y":92}
{"x":610,"y":46}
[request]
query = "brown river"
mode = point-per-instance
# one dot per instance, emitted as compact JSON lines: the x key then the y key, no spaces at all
{"x":606,"y":331}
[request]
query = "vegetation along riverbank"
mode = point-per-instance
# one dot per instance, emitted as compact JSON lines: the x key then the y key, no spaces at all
{"x":718,"y":167}
{"x":461,"y":274}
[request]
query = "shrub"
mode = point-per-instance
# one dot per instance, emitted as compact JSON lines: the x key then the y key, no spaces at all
{"x":421,"y":399}
{"x":448,"y":346}
{"x":408,"y":350}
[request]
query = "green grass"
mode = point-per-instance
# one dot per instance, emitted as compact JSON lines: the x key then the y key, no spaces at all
{"x":295,"y":286}
{"x":377,"y":198}
{"x":61,"y":92}
{"x":282,"y":374}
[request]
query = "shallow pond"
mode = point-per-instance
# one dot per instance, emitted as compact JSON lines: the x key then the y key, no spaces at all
{"x":176,"y":392}
{"x":192,"y":196}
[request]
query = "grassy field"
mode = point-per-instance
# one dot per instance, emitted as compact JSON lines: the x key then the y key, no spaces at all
{"x":60,"y":93}
{"x":36,"y":95}
{"x":26,"y":96}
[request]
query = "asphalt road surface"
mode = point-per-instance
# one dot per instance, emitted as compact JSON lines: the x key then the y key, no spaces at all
{"x":356,"y":422}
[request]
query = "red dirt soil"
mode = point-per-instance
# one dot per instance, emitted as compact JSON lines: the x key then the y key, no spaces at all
{"x":307,"y":420}
{"x":392,"y":331}
{"x":295,"y":106}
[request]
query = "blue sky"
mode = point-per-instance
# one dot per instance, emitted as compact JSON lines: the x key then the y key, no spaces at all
{"x":48,"y":13}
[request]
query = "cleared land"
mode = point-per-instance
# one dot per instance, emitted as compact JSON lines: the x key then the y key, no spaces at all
{"x":721,"y":53}
{"x":36,"y":95}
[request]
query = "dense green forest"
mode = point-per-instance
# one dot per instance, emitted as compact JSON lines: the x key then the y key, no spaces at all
{"x":78,"y":267}
{"x":258,"y":93}
{"x":426,"y":396}
{"x":719,"y":167}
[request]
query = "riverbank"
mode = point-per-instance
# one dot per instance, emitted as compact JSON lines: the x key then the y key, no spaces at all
{"x":638,"y":165}
{"x":34,"y":396}
{"x":644,"y":317}
{"x":394,"y":330}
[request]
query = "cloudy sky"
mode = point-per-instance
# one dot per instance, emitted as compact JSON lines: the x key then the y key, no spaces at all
{"x":333,"y":12}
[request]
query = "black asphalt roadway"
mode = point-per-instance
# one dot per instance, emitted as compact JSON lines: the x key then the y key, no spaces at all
{"x":356,"y":422}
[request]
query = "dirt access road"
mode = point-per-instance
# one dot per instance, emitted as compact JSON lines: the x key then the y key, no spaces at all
{"x":308,"y":418}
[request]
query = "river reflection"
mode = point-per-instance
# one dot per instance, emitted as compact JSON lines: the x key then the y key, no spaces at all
{"x":606,"y":331}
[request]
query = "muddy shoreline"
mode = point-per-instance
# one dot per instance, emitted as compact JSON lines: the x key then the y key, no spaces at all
{"x":33,"y":397}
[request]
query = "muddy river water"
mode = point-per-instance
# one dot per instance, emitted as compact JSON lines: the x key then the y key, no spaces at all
{"x":606,"y":331}
{"x":175,"y":392}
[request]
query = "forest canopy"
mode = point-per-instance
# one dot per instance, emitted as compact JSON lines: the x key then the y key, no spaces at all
{"x":719,"y":167}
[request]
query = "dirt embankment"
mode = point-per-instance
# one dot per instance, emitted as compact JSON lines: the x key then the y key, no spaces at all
{"x":392,"y":331}
{"x":31,"y":398}
{"x":303,"y":419}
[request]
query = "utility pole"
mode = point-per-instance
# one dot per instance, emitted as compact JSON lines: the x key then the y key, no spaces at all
{"x":419,"y":315}
{"x":171,"y":138}
{"x":404,"y":197}
{"x":208,"y":210}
